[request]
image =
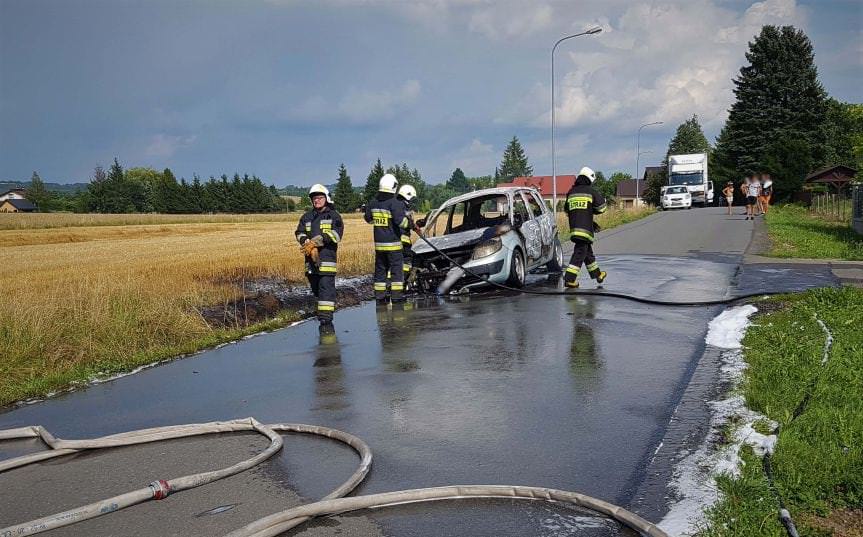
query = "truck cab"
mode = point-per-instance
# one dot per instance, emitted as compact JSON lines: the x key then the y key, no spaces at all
{"x":691,"y":171}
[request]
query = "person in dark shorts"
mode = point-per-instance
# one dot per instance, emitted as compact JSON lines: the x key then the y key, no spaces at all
{"x":753,"y":190}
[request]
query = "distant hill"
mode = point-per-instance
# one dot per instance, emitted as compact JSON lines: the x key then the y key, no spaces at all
{"x":70,"y":188}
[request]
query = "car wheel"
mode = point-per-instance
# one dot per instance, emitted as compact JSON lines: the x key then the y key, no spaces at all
{"x":517,"y":272}
{"x":555,"y":264}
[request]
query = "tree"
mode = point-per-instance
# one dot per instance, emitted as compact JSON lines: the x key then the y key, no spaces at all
{"x":653,"y":188}
{"x":514,"y":162}
{"x":778,"y":99}
{"x":458,"y":181}
{"x":689,"y":138}
{"x":343,"y":196}
{"x":37,"y":194}
{"x":844,"y":134}
{"x":375,"y":175}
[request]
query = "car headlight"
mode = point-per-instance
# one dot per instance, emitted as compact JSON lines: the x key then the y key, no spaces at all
{"x":487,"y":248}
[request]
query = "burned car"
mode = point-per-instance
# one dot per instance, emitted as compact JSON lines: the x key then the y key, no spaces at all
{"x":499,"y":234}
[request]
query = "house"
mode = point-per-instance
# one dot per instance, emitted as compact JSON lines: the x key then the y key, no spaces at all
{"x":13,"y":194}
{"x":544,"y":184}
{"x":15,"y":205}
{"x":625,"y":193}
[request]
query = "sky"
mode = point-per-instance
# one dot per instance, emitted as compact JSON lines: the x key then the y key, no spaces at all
{"x":289,"y":89}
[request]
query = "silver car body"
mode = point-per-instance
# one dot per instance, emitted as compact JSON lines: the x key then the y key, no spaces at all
{"x":530,"y":230}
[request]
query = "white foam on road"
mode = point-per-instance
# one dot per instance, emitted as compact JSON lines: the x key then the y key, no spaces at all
{"x":694,"y":476}
{"x":726,"y":330}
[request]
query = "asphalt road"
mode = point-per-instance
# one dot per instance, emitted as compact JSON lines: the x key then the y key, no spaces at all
{"x":562,"y":392}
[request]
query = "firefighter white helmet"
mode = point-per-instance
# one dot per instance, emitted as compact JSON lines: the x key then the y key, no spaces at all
{"x":320,"y":189}
{"x":408,"y":192}
{"x":587,"y":172}
{"x":388,"y":183}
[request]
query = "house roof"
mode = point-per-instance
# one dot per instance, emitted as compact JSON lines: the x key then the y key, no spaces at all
{"x":832,"y":174}
{"x":21,"y":205}
{"x":650,"y":170}
{"x":543,"y":183}
{"x":13,"y":191}
{"x":626,"y":188}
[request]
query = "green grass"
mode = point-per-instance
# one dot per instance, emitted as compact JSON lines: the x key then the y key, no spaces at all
{"x":818,"y":463}
{"x":794,"y":232}
{"x":610,"y":219}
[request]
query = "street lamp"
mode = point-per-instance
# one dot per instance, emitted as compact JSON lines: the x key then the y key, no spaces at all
{"x":638,"y":154}
{"x":591,"y":31}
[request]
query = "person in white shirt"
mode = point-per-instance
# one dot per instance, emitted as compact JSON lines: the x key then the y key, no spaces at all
{"x":753,"y":190}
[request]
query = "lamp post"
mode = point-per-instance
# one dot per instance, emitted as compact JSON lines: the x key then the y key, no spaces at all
{"x":638,"y":154}
{"x":591,"y":31}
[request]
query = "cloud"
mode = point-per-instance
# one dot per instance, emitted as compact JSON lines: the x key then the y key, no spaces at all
{"x":477,"y":158}
{"x":165,"y":145}
{"x":357,"y":107}
{"x":660,"y":61}
{"x":507,"y":20}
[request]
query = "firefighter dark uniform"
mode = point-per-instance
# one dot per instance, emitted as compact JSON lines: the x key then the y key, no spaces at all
{"x":324,"y":227}
{"x":387,"y":215}
{"x":582,"y":203}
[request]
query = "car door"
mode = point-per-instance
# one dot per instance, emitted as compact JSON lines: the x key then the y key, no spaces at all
{"x":545,"y":218}
{"x":530,"y":228}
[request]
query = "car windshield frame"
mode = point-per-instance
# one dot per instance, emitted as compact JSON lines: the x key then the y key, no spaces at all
{"x":686,"y":179}
{"x":676,"y":189}
{"x":473,"y":206}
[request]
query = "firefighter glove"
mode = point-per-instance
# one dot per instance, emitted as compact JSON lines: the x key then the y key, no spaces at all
{"x":318,"y":241}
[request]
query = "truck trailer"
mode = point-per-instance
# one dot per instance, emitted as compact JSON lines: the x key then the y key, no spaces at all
{"x":691,"y":171}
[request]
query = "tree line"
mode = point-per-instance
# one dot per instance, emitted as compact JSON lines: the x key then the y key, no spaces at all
{"x":145,"y":190}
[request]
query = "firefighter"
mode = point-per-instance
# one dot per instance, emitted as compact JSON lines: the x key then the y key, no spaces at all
{"x":319,"y":233}
{"x":406,"y":194}
{"x":582,"y":202}
{"x":387,"y":215}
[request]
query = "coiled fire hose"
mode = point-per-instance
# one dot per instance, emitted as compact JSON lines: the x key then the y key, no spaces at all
{"x":610,"y":294}
{"x":333,"y":503}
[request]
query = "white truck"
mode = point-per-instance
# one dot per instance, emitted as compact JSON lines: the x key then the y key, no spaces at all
{"x":691,"y":171}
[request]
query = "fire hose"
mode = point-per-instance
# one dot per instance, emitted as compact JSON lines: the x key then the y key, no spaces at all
{"x":610,"y":294}
{"x":277,"y":523}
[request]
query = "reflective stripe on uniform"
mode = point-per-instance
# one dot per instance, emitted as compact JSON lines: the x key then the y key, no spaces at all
{"x":328,"y":266}
{"x":572,"y":269}
{"x":388,"y":246}
{"x":309,"y":227}
{"x":333,"y":235}
{"x":301,"y":237}
{"x":593,"y":266}
{"x":601,"y":209}
{"x":404,"y":223}
{"x":406,"y":239}
{"x":326,"y":305}
{"x":581,"y":233}
{"x":406,"y":267}
{"x":579,"y":201}
{"x":380,"y":286}
{"x":397,"y":286}
{"x":381,"y":217}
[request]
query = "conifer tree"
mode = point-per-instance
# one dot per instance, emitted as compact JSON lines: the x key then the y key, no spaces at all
{"x":779,"y":104}
{"x":37,"y":194}
{"x":458,"y":181}
{"x":689,"y":138}
{"x":375,"y":175}
{"x":343,"y":195}
{"x":514,"y":162}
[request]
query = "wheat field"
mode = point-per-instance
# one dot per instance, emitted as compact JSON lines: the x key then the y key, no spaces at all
{"x":79,"y":300}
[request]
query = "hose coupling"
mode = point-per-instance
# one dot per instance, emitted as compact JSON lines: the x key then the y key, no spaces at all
{"x":161,"y":489}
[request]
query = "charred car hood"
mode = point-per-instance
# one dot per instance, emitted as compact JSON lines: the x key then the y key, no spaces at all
{"x":454,"y":240}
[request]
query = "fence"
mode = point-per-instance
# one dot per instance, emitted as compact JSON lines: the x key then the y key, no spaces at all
{"x":857,"y":207}
{"x":832,"y":206}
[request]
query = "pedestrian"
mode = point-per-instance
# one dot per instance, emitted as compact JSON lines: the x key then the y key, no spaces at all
{"x":753,"y":190}
{"x":388,"y":216}
{"x":766,"y":193}
{"x":406,"y":194}
{"x":582,"y":203}
{"x":319,"y":232}
{"x":728,"y":192}
{"x":744,"y":188}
